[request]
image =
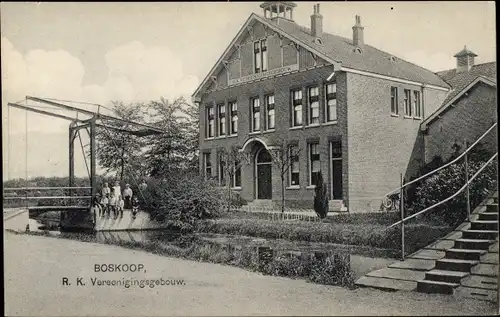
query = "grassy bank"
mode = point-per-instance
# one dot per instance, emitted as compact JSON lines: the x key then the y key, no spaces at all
{"x":371,"y":234}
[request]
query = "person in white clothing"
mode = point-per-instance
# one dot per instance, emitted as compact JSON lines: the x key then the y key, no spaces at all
{"x":117,"y":189}
{"x":127,"y":196}
{"x":112,"y":204}
{"x":119,"y":206}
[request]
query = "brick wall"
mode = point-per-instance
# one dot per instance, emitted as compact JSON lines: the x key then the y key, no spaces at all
{"x":281,"y":86}
{"x":469,"y":119}
{"x":381,"y":146}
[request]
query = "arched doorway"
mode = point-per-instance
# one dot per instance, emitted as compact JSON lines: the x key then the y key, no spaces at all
{"x":263,"y":174}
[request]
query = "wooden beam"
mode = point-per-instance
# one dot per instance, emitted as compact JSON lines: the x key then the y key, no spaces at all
{"x":27,"y":108}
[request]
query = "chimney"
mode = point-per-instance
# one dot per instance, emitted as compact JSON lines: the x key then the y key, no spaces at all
{"x":316,"y":22}
{"x":465,"y":60}
{"x":357,"y":33}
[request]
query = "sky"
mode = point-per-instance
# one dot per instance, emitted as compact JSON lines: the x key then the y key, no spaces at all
{"x":98,"y":52}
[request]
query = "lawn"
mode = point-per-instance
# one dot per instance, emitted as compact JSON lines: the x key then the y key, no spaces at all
{"x":368,"y":230}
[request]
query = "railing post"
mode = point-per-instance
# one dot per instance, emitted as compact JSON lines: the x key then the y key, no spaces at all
{"x":467,"y":193}
{"x":401,"y":208}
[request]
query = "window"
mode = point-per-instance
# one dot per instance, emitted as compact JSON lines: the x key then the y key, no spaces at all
{"x":207,"y":165}
{"x":260,"y":56}
{"x":417,"y":104}
{"x":222,"y":119}
{"x":270,"y":121}
{"x":297,"y":108}
{"x":210,"y":122}
{"x":236,"y":177}
{"x":394,"y":100}
{"x":222,"y":169}
{"x":314,"y":164}
{"x":233,"y":106}
{"x":255,"y":104}
{"x":313,"y":104}
{"x":294,"y":166}
{"x":331,"y":102}
{"x":407,"y":102}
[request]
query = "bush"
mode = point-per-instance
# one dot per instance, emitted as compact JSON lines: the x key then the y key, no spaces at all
{"x":181,"y":200}
{"x":447,"y":182}
{"x":333,"y":270}
{"x":321,"y":198}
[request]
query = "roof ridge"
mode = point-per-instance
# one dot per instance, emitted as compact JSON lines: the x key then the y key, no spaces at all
{"x":481,"y":64}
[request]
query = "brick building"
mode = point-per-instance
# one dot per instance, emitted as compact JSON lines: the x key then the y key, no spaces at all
{"x":467,"y":112}
{"x":344,"y":108}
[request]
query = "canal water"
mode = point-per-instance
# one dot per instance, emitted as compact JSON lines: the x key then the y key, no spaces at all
{"x":360,"y":263}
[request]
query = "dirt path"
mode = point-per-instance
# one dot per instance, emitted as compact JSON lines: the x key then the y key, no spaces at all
{"x":35,"y":267}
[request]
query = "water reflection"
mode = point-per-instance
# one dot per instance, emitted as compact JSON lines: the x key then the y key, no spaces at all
{"x":359,"y":264}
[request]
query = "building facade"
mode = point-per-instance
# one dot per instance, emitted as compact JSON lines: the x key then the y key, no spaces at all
{"x":468,"y":111}
{"x":334,"y":105}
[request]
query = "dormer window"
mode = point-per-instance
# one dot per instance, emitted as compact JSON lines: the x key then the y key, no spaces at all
{"x":358,"y":50}
{"x":393,"y":58}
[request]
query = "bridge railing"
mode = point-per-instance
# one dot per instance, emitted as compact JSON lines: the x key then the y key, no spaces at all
{"x":46,"y":196}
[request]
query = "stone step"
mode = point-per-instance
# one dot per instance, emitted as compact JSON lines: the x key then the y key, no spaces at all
{"x":425,"y":286}
{"x":484,"y":225}
{"x":492,"y":208}
{"x":464,"y":254}
{"x":488,"y":216}
{"x":445,"y":276}
{"x":479,"y":234}
{"x":473,"y":244}
{"x":386,"y":284}
{"x":455,"y":265}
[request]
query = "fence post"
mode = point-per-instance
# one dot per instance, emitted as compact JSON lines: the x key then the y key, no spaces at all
{"x":467,"y":193}
{"x":401,"y":208}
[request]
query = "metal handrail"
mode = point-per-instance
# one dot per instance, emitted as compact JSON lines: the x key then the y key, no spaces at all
{"x":43,"y":188}
{"x":446,"y":165}
{"x":449,"y":198}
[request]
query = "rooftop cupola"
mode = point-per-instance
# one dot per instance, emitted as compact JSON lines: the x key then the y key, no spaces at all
{"x":316,"y":22}
{"x":275,"y":9}
{"x":357,"y":33}
{"x":465,"y":60}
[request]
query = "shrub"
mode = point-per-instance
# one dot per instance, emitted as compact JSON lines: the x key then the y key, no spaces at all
{"x":333,"y":270}
{"x":321,"y":198}
{"x":181,"y":200}
{"x":447,"y":182}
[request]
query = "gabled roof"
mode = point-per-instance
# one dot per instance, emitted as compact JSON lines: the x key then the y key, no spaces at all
{"x":339,"y":50}
{"x":474,"y":80}
{"x":462,"y":79}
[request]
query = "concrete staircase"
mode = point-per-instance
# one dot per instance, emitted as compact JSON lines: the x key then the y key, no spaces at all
{"x":463,"y":263}
{"x":466,"y":253}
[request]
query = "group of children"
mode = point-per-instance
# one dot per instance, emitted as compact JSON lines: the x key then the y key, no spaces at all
{"x":111,"y":201}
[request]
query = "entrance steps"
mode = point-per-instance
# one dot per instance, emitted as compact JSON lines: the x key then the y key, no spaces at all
{"x":463,"y":263}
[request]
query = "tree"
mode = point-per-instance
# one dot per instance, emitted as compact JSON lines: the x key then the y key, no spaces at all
{"x":232,"y":160}
{"x":176,"y":150}
{"x":118,"y":151}
{"x":283,"y":156}
{"x":321,"y":197}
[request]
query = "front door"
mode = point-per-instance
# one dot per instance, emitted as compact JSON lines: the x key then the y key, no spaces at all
{"x":264,"y":188}
{"x":263,"y":171}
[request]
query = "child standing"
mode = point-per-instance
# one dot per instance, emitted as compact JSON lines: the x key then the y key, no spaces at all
{"x":112,"y":204}
{"x":135,"y":206}
{"x":119,"y":206}
{"x":105,"y":205}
